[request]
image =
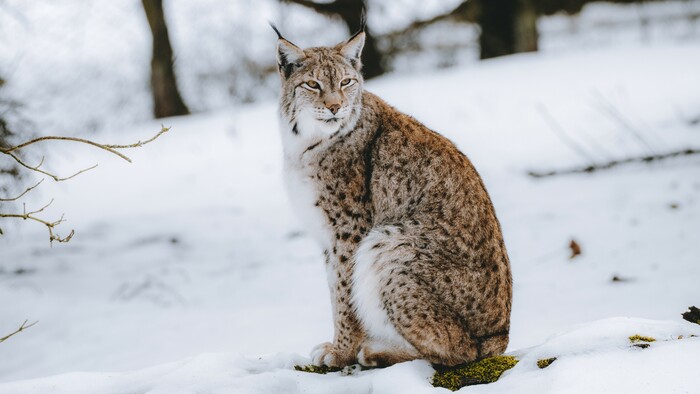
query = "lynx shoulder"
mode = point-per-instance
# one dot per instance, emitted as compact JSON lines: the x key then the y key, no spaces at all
{"x":414,"y":255}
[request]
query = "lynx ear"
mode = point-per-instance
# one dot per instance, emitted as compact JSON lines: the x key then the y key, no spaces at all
{"x":288,"y":55}
{"x":352,"y":49}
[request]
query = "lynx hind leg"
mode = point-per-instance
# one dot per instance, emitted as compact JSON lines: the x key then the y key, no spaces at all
{"x":399,"y":307}
{"x":384,"y":345}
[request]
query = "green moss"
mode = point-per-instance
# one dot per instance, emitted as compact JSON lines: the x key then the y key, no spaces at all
{"x":638,"y":338}
{"x":483,"y":371}
{"x":320,"y":369}
{"x":545,"y":362}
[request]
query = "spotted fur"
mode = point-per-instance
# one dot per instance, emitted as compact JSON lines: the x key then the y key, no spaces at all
{"x":416,"y":263}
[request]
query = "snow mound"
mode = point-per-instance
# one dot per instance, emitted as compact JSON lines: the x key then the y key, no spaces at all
{"x":600,"y":357}
{"x":594,"y":357}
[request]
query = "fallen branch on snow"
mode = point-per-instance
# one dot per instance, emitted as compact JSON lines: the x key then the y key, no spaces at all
{"x":614,"y":163}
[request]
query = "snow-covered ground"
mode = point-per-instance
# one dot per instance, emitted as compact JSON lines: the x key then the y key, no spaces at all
{"x":192,"y":253}
{"x":594,"y":358}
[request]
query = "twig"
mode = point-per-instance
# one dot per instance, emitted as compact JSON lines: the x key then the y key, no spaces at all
{"x":11,"y":151}
{"x":139,"y":144}
{"x":615,"y":163}
{"x":21,"y":328}
{"x":608,"y":107}
{"x":559,"y":131}
{"x":109,"y":148}
{"x":49,"y":225}
{"x":23,"y":193}
{"x":55,"y":138}
{"x":39,"y":170}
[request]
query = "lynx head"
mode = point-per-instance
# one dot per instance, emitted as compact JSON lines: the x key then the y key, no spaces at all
{"x":322,"y":86}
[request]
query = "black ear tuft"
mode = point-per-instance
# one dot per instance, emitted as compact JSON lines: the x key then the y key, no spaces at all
{"x":352,"y":48}
{"x":289,"y":55}
{"x":363,"y":23}
{"x":363,"y":17}
{"x":279,"y":35}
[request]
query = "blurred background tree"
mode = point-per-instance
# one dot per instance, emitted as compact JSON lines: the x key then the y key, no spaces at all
{"x":507,"y":27}
{"x":89,"y":73}
{"x":166,"y":96}
{"x":9,"y":172}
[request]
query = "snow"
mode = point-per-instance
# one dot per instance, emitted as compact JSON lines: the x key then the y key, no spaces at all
{"x":584,"y":356}
{"x":193,"y":253}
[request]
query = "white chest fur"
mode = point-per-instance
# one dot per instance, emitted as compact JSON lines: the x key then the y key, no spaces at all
{"x":299,"y":172}
{"x":303,"y":194}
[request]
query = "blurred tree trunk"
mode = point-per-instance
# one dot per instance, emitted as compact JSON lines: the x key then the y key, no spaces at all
{"x":507,"y":27}
{"x":4,"y":129}
{"x":6,"y":169}
{"x":166,"y":97}
{"x":350,"y":11}
{"x":526,"y":35}
{"x":5,"y":132}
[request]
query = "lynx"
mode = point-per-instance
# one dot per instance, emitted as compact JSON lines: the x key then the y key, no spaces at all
{"x":415,"y":259}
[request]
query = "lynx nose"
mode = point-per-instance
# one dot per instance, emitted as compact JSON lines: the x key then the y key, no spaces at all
{"x":334,"y":108}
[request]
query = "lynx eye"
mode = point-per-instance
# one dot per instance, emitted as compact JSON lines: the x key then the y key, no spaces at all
{"x":313,"y":85}
{"x":346,"y":82}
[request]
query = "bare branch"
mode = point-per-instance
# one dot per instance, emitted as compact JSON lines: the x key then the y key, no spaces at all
{"x":139,"y":144}
{"x":39,"y":170}
{"x":49,"y":225}
{"x":12,"y":152}
{"x":55,"y":138}
{"x":615,"y":163}
{"x":27,"y":190}
{"x":76,"y":174}
{"x":110,"y":148}
{"x":21,"y":328}
{"x":38,"y":210}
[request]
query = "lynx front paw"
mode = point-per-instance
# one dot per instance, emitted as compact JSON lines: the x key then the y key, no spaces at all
{"x":330,"y":355}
